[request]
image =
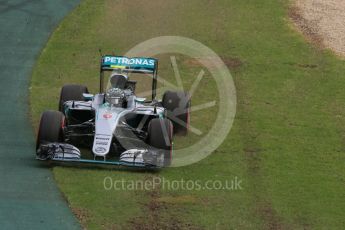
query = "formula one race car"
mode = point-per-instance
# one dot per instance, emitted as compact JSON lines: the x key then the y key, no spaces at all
{"x":119,"y":127}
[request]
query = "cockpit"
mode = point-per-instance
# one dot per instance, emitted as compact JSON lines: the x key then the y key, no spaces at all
{"x":119,"y":89}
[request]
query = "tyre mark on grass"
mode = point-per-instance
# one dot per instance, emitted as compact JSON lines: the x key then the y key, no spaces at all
{"x":253,"y":152}
{"x":157,"y":214}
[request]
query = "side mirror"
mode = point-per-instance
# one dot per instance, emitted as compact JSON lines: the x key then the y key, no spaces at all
{"x":140,"y":99}
{"x":88,"y":96}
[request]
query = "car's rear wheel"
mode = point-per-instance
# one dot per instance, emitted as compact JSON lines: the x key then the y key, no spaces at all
{"x":178,"y":110}
{"x":71,"y":93}
{"x":160,"y":135}
{"x":50,"y":128}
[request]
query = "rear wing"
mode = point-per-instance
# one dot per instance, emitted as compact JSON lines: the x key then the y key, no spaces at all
{"x":126,"y":64}
{"x":130,"y":65}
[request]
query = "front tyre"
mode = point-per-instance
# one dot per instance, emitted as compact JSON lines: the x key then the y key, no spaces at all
{"x":50,"y":128}
{"x":160,"y":135}
{"x":71,"y":93}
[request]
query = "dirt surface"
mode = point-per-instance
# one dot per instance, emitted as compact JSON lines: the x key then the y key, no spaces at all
{"x":323,"y":21}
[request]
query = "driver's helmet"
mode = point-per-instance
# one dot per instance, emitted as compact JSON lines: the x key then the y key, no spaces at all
{"x":115,"y":94}
{"x":118,"y":81}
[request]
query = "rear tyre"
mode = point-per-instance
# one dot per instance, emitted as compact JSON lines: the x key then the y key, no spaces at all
{"x":178,"y":110}
{"x":160,"y":135}
{"x":51,"y":128}
{"x":71,"y":93}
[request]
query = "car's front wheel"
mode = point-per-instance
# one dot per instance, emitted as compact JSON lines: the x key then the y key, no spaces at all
{"x":71,"y":93}
{"x":50,"y":128}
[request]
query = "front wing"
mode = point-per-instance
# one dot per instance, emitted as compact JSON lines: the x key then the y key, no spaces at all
{"x":62,"y":152}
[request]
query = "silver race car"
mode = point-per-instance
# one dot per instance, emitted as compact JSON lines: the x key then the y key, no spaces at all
{"x":115,"y":126}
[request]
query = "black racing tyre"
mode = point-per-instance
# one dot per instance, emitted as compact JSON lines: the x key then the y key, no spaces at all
{"x":50,"y":128}
{"x":178,"y":110}
{"x":160,"y":135}
{"x":71,"y":93}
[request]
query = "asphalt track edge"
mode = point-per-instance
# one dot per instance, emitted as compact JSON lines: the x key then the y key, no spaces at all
{"x":29,"y":197}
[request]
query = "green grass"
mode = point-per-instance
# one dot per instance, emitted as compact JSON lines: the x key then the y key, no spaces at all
{"x":287,"y":141}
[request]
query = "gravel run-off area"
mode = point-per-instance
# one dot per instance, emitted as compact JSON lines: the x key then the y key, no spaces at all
{"x":322,"y":21}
